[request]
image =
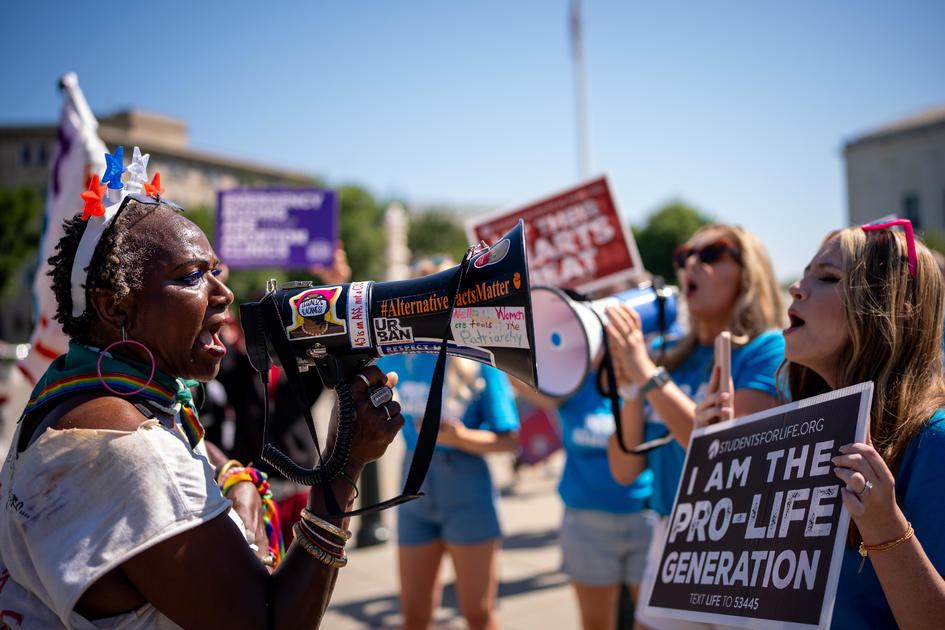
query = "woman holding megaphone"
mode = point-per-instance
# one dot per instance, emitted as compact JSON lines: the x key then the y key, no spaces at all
{"x":728,"y":282}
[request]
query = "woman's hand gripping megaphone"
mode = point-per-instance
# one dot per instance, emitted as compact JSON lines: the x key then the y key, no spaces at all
{"x":376,"y":425}
{"x":632,"y":363}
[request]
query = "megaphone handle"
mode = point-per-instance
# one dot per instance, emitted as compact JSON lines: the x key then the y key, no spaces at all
{"x":276,"y":458}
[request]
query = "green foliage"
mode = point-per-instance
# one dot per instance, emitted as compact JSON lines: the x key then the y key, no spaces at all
{"x":934,"y":239}
{"x":203,"y":216}
{"x":665,"y":229}
{"x":21,"y":217}
{"x":436,"y":231}
{"x":362,"y":233}
{"x":248,"y":285}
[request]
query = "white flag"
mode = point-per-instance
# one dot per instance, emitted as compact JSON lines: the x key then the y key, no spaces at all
{"x":79,"y":153}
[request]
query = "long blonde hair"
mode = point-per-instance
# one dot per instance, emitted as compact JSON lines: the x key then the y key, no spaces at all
{"x":758,"y":306}
{"x":895,"y":325}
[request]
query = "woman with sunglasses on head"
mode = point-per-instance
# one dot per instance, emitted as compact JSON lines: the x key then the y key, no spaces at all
{"x":113,"y":516}
{"x":869,"y":308}
{"x":728,"y":283}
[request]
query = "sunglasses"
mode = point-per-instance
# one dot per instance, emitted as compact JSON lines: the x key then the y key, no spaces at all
{"x":910,"y":238}
{"x":707,"y":254}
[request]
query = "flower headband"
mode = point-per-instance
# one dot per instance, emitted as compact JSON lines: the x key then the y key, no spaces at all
{"x":102,"y":201}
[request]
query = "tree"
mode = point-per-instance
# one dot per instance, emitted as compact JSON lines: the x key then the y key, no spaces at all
{"x":666,"y":229}
{"x":362,"y":232}
{"x":21,"y":216}
{"x":436,"y":231}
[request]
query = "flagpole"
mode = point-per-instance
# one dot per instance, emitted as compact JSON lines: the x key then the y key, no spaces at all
{"x":580,"y":91}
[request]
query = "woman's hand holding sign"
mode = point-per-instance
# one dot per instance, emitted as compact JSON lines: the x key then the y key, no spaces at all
{"x":870,"y":493}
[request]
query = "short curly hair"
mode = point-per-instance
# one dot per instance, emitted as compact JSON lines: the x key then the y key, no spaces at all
{"x":117,"y":264}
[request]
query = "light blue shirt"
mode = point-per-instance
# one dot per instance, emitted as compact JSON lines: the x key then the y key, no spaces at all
{"x":753,"y":366}
{"x":493,"y":409}
{"x":587,"y":423}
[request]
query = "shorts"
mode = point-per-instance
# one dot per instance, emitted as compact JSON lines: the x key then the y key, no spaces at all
{"x":649,"y":578}
{"x":459,"y":505}
{"x":602,"y":548}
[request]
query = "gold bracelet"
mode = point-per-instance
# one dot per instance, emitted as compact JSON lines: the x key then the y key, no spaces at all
{"x":344,"y":534}
{"x":865,"y":549}
{"x":319,"y":554}
{"x":232,"y":463}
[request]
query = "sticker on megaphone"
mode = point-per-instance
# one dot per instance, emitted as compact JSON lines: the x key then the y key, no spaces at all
{"x":569,"y":333}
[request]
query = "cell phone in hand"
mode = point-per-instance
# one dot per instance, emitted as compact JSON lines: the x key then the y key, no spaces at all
{"x":723,"y":359}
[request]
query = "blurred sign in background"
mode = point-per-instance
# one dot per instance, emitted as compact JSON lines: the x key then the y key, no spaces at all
{"x":291,"y":228}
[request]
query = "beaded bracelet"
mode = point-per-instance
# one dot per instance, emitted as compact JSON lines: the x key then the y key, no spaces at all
{"x":225,"y":468}
{"x":320,"y":555}
{"x":865,"y":549}
{"x":344,"y":534}
{"x":232,"y":475}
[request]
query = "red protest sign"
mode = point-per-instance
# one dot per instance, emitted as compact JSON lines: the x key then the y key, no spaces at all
{"x":574,"y":238}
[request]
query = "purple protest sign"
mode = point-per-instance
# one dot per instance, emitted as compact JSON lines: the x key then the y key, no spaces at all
{"x":290,"y":228}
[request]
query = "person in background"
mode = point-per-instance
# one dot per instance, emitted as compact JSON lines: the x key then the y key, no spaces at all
{"x":458,"y":514}
{"x":606,"y":527}
{"x":726,"y":277}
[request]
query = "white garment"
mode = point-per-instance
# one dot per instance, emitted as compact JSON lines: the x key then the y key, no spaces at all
{"x":77,"y":503}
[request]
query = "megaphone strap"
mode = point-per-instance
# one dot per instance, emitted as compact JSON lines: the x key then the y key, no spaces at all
{"x":331,"y":374}
{"x":607,"y":371}
{"x":342,"y":447}
{"x":430,"y":427}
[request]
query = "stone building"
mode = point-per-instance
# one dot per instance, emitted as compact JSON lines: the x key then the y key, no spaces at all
{"x":192,"y":178}
{"x":899,"y":169}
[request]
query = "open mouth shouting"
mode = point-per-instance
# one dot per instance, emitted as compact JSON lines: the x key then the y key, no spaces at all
{"x":795,"y":322}
{"x":209,"y":339}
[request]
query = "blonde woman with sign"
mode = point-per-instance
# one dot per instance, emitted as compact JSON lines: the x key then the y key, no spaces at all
{"x":869,"y":308}
{"x":729,"y":284}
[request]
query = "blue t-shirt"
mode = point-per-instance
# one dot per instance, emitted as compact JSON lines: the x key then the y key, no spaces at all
{"x":493,"y":409}
{"x":753,"y":366}
{"x":860,"y":601}
{"x":586,"y":483}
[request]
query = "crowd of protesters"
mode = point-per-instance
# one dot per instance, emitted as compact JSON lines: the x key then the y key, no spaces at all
{"x":168,"y":530}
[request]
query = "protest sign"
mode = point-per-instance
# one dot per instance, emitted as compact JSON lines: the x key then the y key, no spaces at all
{"x":574,"y":239}
{"x":757,"y":531}
{"x":290,"y":228}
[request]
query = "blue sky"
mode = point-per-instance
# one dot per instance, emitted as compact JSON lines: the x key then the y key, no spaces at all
{"x":739,"y":108}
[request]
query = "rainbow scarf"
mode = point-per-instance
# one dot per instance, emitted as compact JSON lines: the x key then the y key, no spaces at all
{"x":76,"y":372}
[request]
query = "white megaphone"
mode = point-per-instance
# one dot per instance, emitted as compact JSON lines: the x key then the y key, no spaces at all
{"x":569,"y":333}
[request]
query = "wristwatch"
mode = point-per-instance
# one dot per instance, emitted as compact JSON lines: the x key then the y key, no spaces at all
{"x":659,"y":378}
